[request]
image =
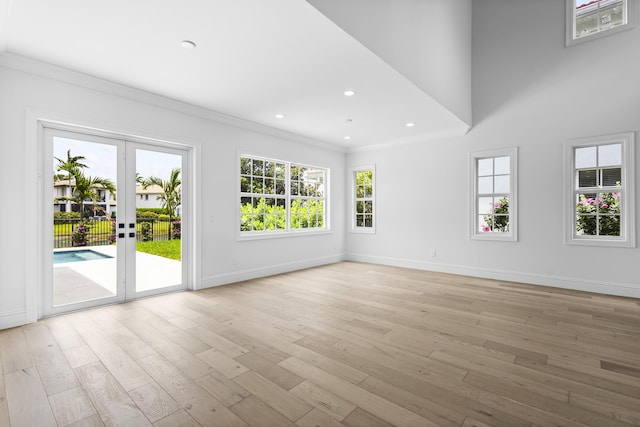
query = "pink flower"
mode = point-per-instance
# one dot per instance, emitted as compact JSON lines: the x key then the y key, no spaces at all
{"x":485,"y":228}
{"x":616,"y":195}
{"x":604,"y":206}
{"x":496,"y":205}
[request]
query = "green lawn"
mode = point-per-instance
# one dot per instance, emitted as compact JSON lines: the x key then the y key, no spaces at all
{"x":166,"y":248}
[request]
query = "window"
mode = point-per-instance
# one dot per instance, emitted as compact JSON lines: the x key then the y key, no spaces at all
{"x":494,"y":184}
{"x":278,"y":197}
{"x":363,"y":206}
{"x":600,"y":194}
{"x":306,"y":208}
{"x":588,"y":19}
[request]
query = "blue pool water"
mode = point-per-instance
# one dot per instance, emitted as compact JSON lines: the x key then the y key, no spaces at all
{"x":77,"y":255}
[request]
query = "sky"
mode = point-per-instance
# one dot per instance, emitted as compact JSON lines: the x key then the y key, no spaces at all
{"x":101,"y":159}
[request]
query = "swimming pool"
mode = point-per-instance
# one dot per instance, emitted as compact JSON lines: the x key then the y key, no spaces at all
{"x":77,"y":255}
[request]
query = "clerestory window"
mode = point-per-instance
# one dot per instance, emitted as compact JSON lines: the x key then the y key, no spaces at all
{"x":588,"y":19}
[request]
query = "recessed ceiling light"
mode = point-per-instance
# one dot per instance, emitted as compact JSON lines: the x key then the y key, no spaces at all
{"x":349,"y":92}
{"x":347,"y":137}
{"x":410,"y":124}
{"x":279,"y":116}
{"x":188,"y":44}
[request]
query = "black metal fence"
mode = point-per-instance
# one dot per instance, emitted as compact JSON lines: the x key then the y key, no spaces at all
{"x":77,"y":232}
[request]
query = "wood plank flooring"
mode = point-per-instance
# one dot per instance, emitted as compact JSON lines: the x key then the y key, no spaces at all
{"x":341,"y":345}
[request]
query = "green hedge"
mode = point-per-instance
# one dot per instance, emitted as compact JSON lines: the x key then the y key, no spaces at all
{"x":146,"y":214}
{"x":154,"y":210}
{"x":66,"y":217}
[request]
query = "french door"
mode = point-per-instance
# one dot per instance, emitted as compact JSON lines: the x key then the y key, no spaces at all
{"x":114,"y":231}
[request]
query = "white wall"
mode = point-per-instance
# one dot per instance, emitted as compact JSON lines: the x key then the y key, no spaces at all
{"x":531,"y":92}
{"x":427,"y":41}
{"x":87,"y":101}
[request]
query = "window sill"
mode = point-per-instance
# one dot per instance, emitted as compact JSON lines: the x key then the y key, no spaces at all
{"x":495,"y":237}
{"x":363,"y":230}
{"x":280,"y":235}
{"x":607,"y":243}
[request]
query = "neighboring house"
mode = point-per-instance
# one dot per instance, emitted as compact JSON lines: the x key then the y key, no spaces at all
{"x":145,"y":198}
{"x":148,"y":197}
{"x":106,"y":202}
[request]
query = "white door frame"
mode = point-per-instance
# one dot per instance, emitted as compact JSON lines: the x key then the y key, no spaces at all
{"x":36,"y":121}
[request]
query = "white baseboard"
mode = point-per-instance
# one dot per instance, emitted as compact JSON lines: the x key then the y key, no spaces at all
{"x":11,"y":319}
{"x":609,"y":288}
{"x":253,"y":273}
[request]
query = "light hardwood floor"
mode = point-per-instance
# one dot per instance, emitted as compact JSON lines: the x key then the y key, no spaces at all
{"x":342,"y":345}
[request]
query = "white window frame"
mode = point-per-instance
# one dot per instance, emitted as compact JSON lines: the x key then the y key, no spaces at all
{"x":627,"y":238}
{"x":512,"y":234}
{"x":570,"y":39}
{"x":287,"y":231}
{"x":355,"y":199}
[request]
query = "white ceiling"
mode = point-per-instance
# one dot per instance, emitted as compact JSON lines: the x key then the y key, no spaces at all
{"x":254,"y":59}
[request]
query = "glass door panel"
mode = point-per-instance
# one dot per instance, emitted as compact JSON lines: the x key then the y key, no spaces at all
{"x":83,"y":212}
{"x":158,"y":202}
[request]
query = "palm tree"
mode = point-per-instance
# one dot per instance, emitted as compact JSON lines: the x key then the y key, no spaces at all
{"x":72,"y":165}
{"x":171,"y":196}
{"x":87,"y":188}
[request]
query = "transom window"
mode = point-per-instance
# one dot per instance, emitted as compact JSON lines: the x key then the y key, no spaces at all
{"x":587,"y":19}
{"x":601,"y":206}
{"x":278,"y":196}
{"x":363,"y":216}
{"x":493,"y":195}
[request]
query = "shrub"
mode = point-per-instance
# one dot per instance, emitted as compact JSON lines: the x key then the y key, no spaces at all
{"x":79,"y":237}
{"x":177,"y":229}
{"x":598,"y":215}
{"x":499,"y":219}
{"x":112,"y":237}
{"x":146,"y":231}
{"x":266,"y":215}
